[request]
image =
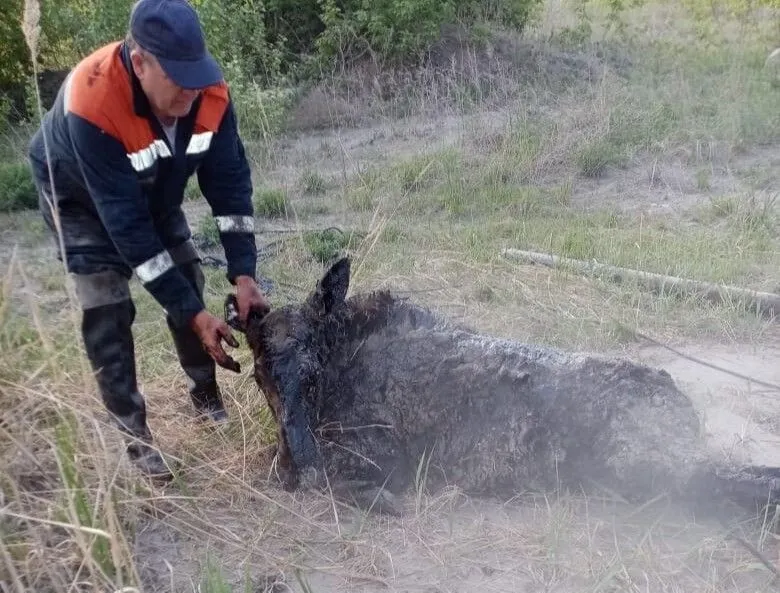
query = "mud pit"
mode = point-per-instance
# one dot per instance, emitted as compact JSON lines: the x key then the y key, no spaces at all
{"x":447,"y":541}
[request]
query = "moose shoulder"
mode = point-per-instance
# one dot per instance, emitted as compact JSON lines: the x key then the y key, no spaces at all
{"x":368,"y":390}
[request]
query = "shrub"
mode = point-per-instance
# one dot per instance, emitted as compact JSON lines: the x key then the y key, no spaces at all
{"x":14,"y":56}
{"x":401,"y":30}
{"x":17,"y":190}
{"x":261,"y":112}
{"x":236,"y":33}
{"x":260,"y":43}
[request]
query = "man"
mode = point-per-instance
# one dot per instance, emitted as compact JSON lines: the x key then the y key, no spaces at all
{"x":131,"y":123}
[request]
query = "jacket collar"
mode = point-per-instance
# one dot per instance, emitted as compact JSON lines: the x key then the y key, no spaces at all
{"x":141,"y":105}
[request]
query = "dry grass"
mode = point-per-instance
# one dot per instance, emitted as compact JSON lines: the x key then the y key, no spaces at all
{"x":593,"y":151}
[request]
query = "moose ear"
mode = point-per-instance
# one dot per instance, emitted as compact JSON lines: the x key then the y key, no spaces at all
{"x":332,"y":288}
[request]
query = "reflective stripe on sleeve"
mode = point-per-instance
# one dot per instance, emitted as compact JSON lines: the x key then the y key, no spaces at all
{"x":154,"y":267}
{"x":145,"y":158}
{"x":67,"y":92}
{"x":235,"y":224}
{"x":199,"y":143}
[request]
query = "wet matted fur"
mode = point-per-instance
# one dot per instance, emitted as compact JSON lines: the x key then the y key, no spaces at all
{"x":367,"y":390}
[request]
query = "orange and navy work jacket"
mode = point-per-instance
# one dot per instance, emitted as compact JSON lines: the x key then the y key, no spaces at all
{"x":111,"y":157}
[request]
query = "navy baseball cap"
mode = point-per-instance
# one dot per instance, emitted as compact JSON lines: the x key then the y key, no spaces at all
{"x":171,"y":31}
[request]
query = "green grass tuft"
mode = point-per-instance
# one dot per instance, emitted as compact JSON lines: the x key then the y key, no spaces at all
{"x":326,"y":245}
{"x":271,"y":202}
{"x":17,"y":190}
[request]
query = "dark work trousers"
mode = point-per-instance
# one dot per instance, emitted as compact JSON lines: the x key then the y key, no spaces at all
{"x":101,"y":282}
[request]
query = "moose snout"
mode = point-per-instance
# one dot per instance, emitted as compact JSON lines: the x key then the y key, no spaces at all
{"x":304,"y":451}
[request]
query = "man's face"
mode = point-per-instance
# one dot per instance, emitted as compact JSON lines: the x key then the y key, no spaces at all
{"x":167,"y":98}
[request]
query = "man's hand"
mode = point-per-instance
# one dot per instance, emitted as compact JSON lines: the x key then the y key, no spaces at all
{"x":211,"y":331}
{"x":249,"y":298}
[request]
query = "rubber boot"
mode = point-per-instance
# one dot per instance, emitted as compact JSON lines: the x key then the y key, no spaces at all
{"x":108,"y":340}
{"x":199,"y":368}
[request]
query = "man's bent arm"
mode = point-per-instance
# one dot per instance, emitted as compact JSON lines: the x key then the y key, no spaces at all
{"x":225,"y":180}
